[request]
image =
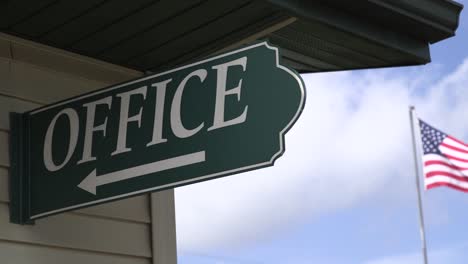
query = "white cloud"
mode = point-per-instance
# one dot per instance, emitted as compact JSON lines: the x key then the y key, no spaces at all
{"x":350,"y":143}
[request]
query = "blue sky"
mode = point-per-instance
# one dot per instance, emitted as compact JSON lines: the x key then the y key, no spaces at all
{"x":344,"y":191}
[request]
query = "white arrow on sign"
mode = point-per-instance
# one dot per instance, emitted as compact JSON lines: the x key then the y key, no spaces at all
{"x":92,"y":181}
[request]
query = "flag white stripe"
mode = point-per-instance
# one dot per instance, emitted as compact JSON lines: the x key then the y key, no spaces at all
{"x":437,"y":167}
{"x":429,"y":157}
{"x":454,"y":153}
{"x":454,"y":143}
{"x":445,"y":179}
{"x":435,"y":157}
{"x":457,"y":163}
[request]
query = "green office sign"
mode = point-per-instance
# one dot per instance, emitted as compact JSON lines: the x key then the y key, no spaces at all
{"x":209,"y":119}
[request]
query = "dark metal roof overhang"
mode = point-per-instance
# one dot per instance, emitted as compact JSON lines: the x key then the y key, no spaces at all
{"x":150,"y":35}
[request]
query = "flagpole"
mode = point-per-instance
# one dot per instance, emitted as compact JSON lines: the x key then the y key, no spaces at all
{"x":418,"y":186}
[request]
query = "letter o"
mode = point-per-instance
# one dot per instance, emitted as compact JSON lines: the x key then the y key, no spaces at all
{"x":74,"y":126}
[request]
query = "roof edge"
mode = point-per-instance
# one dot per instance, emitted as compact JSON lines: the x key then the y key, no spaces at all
{"x":427,"y":20}
{"x":442,"y":16}
{"x":356,"y":24}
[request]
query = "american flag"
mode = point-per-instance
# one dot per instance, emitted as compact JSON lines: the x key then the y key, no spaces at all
{"x":445,"y":159}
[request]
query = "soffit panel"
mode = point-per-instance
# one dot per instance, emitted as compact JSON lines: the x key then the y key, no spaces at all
{"x":152,"y":35}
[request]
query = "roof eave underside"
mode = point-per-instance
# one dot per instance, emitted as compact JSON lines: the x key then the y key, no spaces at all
{"x":314,"y":36}
{"x":369,"y":34}
{"x":428,"y":20}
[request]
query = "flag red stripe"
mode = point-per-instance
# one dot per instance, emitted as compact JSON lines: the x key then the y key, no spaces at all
{"x":446,"y":184}
{"x":447,"y":174}
{"x":458,"y":141}
{"x":454,"y":148}
{"x":455,"y":158}
{"x":439,"y":162}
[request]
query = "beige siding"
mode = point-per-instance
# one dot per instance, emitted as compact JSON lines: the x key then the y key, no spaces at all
{"x":130,"y":209}
{"x":20,"y":253}
{"x":62,"y":61}
{"x":80,"y":232}
{"x":118,"y":232}
{"x":45,"y":86}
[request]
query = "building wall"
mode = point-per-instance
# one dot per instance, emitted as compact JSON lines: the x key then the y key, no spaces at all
{"x":137,"y":230}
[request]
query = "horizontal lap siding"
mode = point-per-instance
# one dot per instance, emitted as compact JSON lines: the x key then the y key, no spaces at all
{"x":117,"y":232}
{"x":80,"y":232}
{"x":20,"y":253}
{"x":43,"y":86}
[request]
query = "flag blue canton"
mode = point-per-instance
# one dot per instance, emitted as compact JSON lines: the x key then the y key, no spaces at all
{"x":431,"y":138}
